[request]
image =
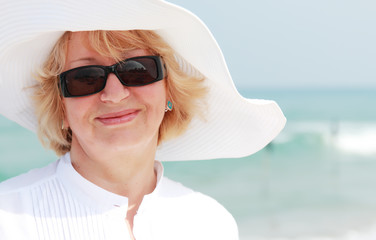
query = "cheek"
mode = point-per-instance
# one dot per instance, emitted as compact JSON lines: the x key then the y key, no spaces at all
{"x":154,"y":95}
{"x":75,"y":109}
{"x":154,"y":98}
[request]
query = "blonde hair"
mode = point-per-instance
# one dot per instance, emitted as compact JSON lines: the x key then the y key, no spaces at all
{"x":186,"y":92}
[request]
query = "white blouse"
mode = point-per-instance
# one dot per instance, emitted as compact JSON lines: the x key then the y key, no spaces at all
{"x":56,"y":202}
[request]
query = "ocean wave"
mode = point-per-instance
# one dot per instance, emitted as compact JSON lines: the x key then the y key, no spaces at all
{"x":356,"y":138}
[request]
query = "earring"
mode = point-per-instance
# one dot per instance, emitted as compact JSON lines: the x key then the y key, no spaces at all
{"x":62,"y":125}
{"x":169,"y":106}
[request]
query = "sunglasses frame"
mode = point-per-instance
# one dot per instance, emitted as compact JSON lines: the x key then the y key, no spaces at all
{"x":161,"y":72}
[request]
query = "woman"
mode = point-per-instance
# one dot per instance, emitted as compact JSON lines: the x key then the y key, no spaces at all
{"x":111,"y":100}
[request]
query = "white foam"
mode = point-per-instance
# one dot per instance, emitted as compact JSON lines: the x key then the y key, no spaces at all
{"x":361,"y":143}
{"x":357,"y":138}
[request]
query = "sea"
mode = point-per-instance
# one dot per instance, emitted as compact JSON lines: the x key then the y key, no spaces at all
{"x":315,"y":181}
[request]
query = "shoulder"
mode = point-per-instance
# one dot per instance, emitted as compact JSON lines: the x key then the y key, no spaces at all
{"x":190,"y":198}
{"x":28,"y":179}
{"x":16,"y":193}
{"x":16,"y":202}
{"x":199,"y":215}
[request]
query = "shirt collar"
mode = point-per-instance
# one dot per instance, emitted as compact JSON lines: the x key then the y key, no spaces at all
{"x":91,"y":194}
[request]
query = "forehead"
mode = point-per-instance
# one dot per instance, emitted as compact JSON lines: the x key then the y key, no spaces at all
{"x":114,"y":44}
{"x":81,"y":43}
{"x":79,"y":51}
{"x":83,"y":49}
{"x":77,"y":37}
{"x":77,"y":41}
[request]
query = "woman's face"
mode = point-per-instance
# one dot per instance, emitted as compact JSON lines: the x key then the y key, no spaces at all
{"x":118,"y":118}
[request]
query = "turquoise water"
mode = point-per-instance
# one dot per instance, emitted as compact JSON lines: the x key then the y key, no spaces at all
{"x":315,"y":181}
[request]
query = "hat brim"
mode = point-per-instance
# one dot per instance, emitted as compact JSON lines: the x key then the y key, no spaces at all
{"x":233,"y":126}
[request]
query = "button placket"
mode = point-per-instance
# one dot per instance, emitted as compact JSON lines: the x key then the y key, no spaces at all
{"x":142,"y":223}
{"x":116,"y":222}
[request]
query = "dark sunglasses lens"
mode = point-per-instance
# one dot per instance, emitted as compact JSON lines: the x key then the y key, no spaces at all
{"x":85,"y":81}
{"x":138,"y":72}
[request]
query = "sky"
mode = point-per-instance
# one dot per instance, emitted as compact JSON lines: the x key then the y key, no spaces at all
{"x":294,"y":43}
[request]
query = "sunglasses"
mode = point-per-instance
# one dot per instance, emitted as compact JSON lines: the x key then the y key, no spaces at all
{"x":132,"y":72}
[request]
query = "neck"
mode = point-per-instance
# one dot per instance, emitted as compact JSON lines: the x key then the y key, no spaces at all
{"x":130,"y":174}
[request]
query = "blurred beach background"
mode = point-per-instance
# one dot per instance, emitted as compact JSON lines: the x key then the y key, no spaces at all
{"x":317,"y":179}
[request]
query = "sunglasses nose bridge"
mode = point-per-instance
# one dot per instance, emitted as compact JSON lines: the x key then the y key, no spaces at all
{"x":112,"y":69}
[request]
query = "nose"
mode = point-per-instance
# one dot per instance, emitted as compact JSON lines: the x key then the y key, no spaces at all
{"x":114,"y":91}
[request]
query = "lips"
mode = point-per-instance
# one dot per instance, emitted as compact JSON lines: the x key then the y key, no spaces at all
{"x":118,"y":117}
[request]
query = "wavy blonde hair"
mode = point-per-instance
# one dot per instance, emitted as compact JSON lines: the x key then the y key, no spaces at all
{"x":186,"y":92}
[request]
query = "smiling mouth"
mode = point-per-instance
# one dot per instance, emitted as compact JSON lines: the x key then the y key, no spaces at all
{"x":118,"y":117}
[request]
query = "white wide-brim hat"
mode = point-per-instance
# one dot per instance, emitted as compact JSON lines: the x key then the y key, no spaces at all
{"x":233,"y":126}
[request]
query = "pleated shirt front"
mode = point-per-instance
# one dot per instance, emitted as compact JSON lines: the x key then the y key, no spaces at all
{"x":56,"y":202}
